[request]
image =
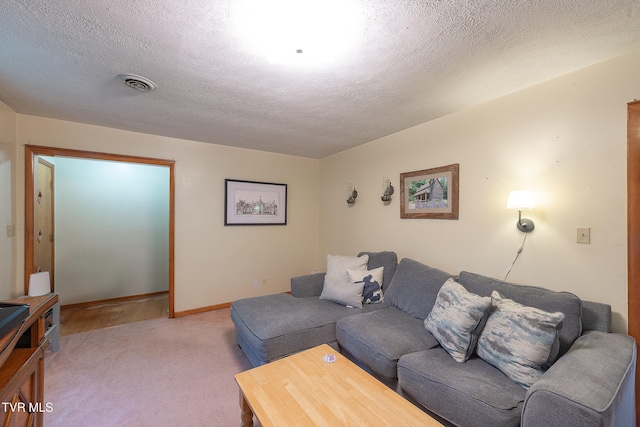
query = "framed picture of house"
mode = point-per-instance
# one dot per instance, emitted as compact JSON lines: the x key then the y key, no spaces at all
{"x":430,"y":193}
{"x":255,"y":203}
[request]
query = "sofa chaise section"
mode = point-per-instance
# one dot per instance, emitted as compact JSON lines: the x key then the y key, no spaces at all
{"x":274,"y":326}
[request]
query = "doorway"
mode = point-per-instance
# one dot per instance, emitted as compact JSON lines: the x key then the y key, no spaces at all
{"x":34,"y":152}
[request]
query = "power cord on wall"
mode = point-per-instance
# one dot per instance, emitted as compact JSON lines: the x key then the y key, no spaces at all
{"x":518,"y":252}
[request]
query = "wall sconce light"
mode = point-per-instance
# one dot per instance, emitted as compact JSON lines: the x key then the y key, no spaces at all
{"x":387,"y":189}
{"x":352,"y":194}
{"x":522,"y":200}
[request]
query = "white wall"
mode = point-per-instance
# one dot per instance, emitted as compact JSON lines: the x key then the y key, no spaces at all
{"x":214,"y":264}
{"x":8,"y":245}
{"x":111,"y":228}
{"x":564,"y":139}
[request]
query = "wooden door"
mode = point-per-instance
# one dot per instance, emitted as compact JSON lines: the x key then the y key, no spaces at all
{"x":43,"y":253}
{"x":633,"y":230}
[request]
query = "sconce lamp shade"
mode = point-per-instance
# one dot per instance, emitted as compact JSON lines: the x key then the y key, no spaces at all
{"x":521,"y":200}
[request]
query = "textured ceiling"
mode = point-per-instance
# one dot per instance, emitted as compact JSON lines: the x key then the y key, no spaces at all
{"x":410,"y":62}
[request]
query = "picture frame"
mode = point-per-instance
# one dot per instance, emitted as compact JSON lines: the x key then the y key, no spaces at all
{"x":254,"y":203}
{"x":430,"y":193}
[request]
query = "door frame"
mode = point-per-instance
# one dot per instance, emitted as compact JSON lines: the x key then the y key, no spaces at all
{"x":31,"y":151}
{"x":633,"y":230}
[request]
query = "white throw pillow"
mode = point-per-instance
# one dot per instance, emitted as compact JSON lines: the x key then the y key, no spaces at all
{"x":372,"y":281}
{"x":349,"y":294}
{"x":337,"y":286}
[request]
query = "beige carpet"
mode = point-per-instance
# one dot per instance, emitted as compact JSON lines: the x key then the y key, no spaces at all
{"x":161,"y":372}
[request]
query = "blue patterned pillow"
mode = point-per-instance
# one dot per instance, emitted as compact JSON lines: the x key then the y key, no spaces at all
{"x":518,"y":339}
{"x":457,"y":318}
{"x":372,"y":281}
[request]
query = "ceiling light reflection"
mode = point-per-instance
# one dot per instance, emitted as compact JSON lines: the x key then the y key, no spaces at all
{"x":302,"y":31}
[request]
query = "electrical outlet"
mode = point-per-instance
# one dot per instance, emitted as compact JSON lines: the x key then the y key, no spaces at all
{"x":256,"y":283}
{"x":11,"y":230}
{"x":583,"y":235}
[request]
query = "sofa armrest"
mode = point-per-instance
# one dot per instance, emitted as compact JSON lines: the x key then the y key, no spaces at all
{"x":309,"y":285}
{"x":593,"y":384}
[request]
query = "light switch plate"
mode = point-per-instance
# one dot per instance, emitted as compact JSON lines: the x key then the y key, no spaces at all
{"x":583,"y":235}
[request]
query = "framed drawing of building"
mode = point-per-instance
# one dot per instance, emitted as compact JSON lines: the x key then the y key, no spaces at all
{"x":255,"y":203}
{"x":430,"y":193}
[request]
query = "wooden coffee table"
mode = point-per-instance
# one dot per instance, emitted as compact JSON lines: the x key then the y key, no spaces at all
{"x":304,"y":390}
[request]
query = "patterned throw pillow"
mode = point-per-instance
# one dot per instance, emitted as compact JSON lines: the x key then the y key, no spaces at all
{"x":372,"y":281}
{"x":518,"y":339}
{"x":457,"y":318}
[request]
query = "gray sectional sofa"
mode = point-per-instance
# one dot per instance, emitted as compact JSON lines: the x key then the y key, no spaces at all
{"x":590,"y":380}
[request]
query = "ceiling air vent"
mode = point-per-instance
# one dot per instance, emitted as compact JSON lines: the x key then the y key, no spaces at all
{"x":138,"y":82}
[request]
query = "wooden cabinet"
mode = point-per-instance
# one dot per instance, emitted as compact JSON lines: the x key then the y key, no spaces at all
{"x":22,"y":366}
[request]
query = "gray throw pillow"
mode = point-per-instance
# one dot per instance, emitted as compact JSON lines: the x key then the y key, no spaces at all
{"x":457,"y":318}
{"x":534,"y":296}
{"x":518,"y":339}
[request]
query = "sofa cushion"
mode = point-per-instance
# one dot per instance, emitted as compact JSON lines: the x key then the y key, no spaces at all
{"x":467,"y":394}
{"x":372,"y":282}
{"x":541,"y":298}
{"x":378,"y":339}
{"x":518,"y":339}
{"x":273,"y":326}
{"x":457,"y":318}
{"x":414,"y":288}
